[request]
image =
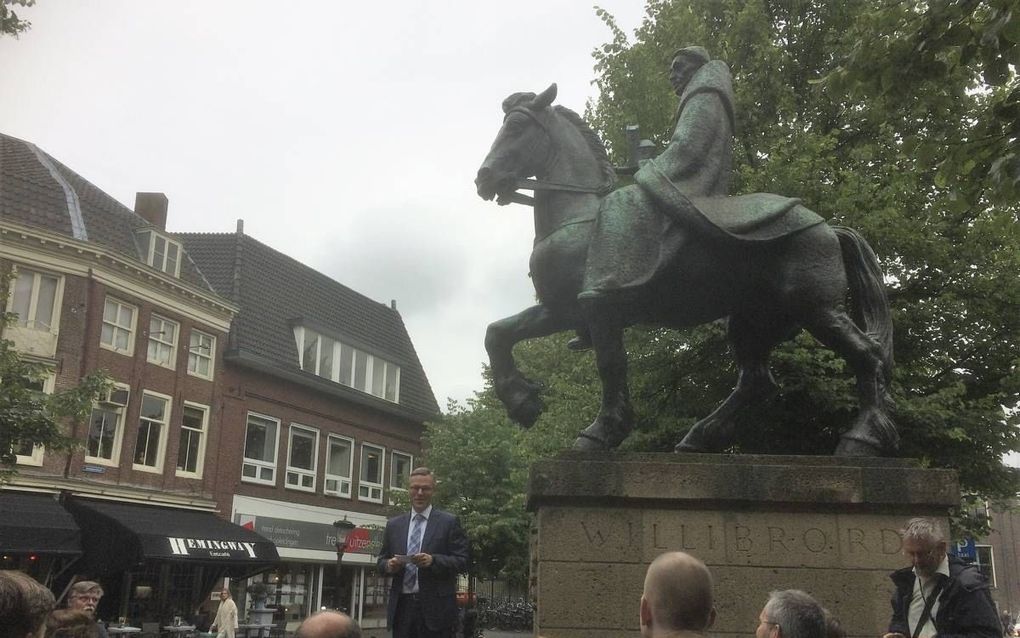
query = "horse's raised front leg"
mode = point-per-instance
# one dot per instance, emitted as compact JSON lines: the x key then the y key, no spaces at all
{"x":519,"y":394}
{"x":751,"y":343}
{"x":616,"y":417}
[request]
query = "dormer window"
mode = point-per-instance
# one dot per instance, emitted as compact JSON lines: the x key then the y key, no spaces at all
{"x":161,"y":252}
{"x":337,"y":361}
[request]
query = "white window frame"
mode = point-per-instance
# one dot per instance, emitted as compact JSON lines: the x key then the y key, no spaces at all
{"x":158,"y":340}
{"x":118,"y":437}
{"x":195,"y":354}
{"x":203,"y":435}
{"x":991,"y":561}
{"x":343,"y":483}
{"x":49,"y":381}
{"x":393,"y":465}
{"x":150,"y":256}
{"x":30,"y":322}
{"x":259,"y":464}
{"x":163,"y":433}
{"x":300,"y":474}
{"x":369,"y":491}
{"x":130,"y":330}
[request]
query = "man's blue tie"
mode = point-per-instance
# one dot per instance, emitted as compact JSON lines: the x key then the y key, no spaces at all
{"x":413,"y":547}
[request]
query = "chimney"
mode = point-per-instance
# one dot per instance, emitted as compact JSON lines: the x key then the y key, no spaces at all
{"x":152,"y":208}
{"x":393,"y":304}
{"x":240,"y":227}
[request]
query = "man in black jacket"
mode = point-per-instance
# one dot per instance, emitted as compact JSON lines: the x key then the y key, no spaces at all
{"x":939,"y":595}
{"x":423,"y":550}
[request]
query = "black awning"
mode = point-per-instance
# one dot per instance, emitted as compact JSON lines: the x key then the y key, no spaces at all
{"x":120,"y":535}
{"x":37,"y":524}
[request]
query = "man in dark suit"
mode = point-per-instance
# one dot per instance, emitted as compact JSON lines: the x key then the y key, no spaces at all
{"x":424,"y":551}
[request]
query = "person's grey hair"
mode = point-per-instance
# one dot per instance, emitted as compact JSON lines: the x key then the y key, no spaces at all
{"x":85,"y":587}
{"x":926,"y":530}
{"x":422,"y":471}
{"x":24,"y":604}
{"x":797,"y":614}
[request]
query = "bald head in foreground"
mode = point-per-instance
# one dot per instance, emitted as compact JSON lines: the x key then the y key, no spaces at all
{"x":329,"y":624}
{"x":677,"y":598}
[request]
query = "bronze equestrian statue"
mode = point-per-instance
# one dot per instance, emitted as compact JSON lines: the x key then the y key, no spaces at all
{"x":676,"y":250}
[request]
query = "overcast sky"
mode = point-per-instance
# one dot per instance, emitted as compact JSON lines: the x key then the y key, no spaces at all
{"x":345,"y":134}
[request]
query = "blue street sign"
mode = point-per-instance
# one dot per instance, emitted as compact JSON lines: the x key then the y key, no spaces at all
{"x":964,"y":550}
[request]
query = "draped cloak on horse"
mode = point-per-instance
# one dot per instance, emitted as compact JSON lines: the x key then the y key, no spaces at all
{"x":640,"y":230}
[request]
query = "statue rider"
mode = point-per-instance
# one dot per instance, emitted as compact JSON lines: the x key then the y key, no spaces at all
{"x":699,"y":156}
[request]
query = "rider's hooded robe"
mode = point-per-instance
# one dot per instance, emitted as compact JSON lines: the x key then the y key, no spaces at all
{"x":641,"y":228}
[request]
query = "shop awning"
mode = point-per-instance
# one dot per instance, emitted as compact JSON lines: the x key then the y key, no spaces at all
{"x":120,"y":535}
{"x":36,"y":524}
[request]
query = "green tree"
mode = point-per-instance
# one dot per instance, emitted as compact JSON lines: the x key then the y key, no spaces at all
{"x":10,"y":23}
{"x":28,"y":416}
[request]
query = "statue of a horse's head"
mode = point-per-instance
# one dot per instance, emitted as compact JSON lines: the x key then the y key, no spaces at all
{"x":521,"y":148}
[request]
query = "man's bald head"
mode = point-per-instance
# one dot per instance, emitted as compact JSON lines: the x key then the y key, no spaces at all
{"x":678,"y":594}
{"x":329,"y":624}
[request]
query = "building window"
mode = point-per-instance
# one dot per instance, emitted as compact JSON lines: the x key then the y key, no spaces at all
{"x":162,"y":253}
{"x":201,"y":350}
{"x":106,"y":427}
{"x":152,"y":429}
{"x":163,"y":341}
{"x":191,"y":451}
{"x":339,"y":465}
{"x":34,"y":298}
{"x":400,"y":470}
{"x":118,"y":326}
{"x":26,"y":453}
{"x":984,"y":562}
{"x":302,"y":450}
{"x":260,"y":443}
{"x":344,"y":364}
{"x":370,"y":482}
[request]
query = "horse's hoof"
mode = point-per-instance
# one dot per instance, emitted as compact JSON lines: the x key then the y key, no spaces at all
{"x":707,"y":436}
{"x":586,"y":443}
{"x":526,"y":410}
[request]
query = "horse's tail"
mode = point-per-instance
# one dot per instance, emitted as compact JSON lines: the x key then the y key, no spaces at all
{"x":870,"y":305}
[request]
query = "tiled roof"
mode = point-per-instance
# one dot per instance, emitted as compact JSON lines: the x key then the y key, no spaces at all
{"x":37,"y":190}
{"x":275,"y":292}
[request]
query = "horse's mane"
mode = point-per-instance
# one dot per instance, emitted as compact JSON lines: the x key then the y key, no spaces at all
{"x":594,"y":142}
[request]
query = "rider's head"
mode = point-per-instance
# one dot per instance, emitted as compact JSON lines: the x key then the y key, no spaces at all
{"x":686,"y":63}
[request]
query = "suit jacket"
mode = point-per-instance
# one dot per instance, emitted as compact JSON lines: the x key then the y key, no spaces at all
{"x":447,"y":543}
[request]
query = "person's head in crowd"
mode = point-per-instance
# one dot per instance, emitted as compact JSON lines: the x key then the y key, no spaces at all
{"x":84,"y":596}
{"x":924,"y":543}
{"x":224,"y":594}
{"x":421,"y":485}
{"x":24,"y":605}
{"x":329,"y":624}
{"x":791,"y":613}
{"x":677,"y":596}
{"x":71,"y":623}
{"x":833,"y":628}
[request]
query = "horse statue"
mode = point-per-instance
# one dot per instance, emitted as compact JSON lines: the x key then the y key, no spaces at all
{"x":767,"y":289}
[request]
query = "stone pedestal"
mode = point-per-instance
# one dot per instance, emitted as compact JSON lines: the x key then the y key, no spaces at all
{"x":821,"y":524}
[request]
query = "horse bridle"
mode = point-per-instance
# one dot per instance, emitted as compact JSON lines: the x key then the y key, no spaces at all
{"x":542,"y":185}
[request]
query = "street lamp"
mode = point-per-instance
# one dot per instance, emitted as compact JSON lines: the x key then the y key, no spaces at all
{"x":343,"y":528}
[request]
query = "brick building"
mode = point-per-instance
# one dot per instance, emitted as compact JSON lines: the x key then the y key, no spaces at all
{"x":325,"y":389}
{"x":227,"y":407}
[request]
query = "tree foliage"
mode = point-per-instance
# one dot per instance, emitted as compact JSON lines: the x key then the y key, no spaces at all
{"x":10,"y":23}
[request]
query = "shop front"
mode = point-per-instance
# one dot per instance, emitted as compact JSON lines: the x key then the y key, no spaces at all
{"x":308,"y":576}
{"x":158,"y":563}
